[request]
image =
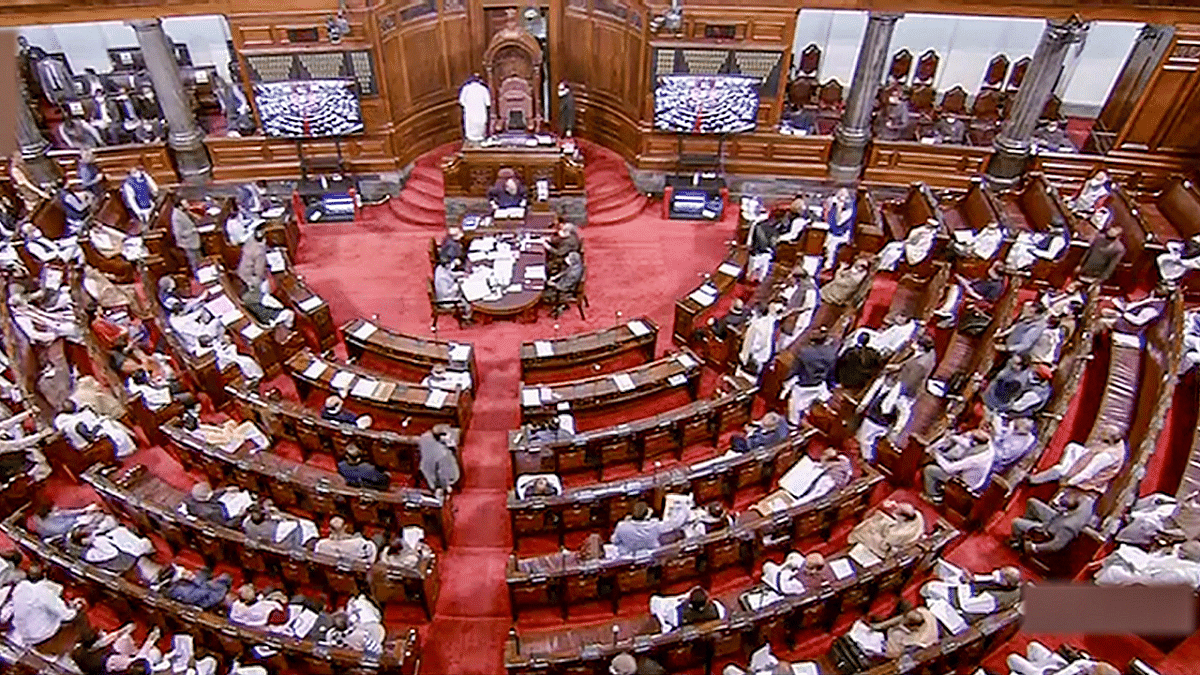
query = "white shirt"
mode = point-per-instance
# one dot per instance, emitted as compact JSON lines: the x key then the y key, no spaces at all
{"x":37,"y":611}
{"x":973,"y":468}
{"x":254,"y":615}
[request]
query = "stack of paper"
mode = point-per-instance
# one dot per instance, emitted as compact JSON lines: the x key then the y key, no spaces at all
{"x":364,"y":387}
{"x":309,"y":304}
{"x":841,"y":568}
{"x":437,"y":398}
{"x":207,"y":275}
{"x":315,"y":370}
{"x":864,"y":556}
{"x":677,"y":380}
{"x":459,"y":352}
{"x":729,"y":269}
{"x":220,"y":305}
{"x":365,"y":330}
{"x":638,"y":328}
{"x":704,"y":296}
{"x":686,"y":361}
{"x":543,"y":348}
{"x":624,"y":382}
{"x":251,"y":332}
{"x":535,"y":272}
{"x":546,"y":394}
{"x":275,"y":261}
{"x":530,"y":397}
{"x":273,"y":212}
{"x":342,"y":379}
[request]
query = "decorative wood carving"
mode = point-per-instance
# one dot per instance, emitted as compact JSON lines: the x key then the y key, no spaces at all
{"x":513,"y":66}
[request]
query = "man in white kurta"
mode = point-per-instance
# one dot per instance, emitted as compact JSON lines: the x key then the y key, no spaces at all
{"x":37,"y":611}
{"x":70,"y":421}
{"x":475,"y":99}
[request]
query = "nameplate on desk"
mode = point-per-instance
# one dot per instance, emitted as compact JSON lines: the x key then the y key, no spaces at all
{"x":436,"y":399}
{"x":638,"y":328}
{"x":543,"y":348}
{"x":624,"y":382}
{"x":701,"y":297}
{"x":364,"y":387}
{"x":864,"y":556}
{"x":686,"y":361}
{"x":309,"y":304}
{"x":275,"y":261}
{"x":729,"y":269}
{"x":530,"y":397}
{"x":841,"y":568}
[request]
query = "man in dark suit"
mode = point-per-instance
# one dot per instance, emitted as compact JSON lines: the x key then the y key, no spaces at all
{"x":1053,"y":525}
{"x":563,"y":284}
{"x":358,"y":472}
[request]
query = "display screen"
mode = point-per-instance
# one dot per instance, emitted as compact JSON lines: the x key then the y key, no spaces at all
{"x":306,"y":108}
{"x":706,"y":104}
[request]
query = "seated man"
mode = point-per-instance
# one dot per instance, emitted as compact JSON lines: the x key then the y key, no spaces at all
{"x":1053,"y":525}
{"x":159,"y":390}
{"x":564,"y":284}
{"x":540,"y":486}
{"x":841,"y":210}
{"x":82,"y":427}
{"x":948,"y":129}
{"x":564,"y":242}
{"x":224,"y":507}
{"x":1017,"y":390}
{"x":1039,"y":660}
{"x":858,"y":364}
{"x":439,"y":464}
{"x":36,"y":610}
{"x":625,"y":664}
{"x":343,"y":543}
{"x":915,"y":248}
{"x":892,"y":638}
{"x":981,"y":244}
{"x":797,"y":574}
{"x":115,"y":548}
{"x":265,"y":522}
{"x":641,"y":531}
{"x":227,"y":436}
{"x":973,"y":596}
{"x":1102,"y":256}
{"x":51,"y":521}
{"x":334,"y":411}
{"x":359,"y":628}
{"x":1090,"y":467}
{"x":451,"y":248}
{"x":1132,"y":566}
{"x":256,"y":610}
{"x":772,"y":428}
{"x":849,"y":284}
{"x":1093,"y":195}
{"x":982,"y":293}
{"x":1029,"y":248}
{"x":809,"y":481}
{"x":1012,"y":441}
{"x":447,"y":287}
{"x":1178,"y":259}
{"x":76,"y":205}
{"x":698,"y":609}
{"x":731,"y":322}
{"x":892,"y":528}
{"x":201,"y":333}
{"x":441,"y":377}
{"x":508,"y":193}
{"x":895,"y":333}
{"x":968,"y":456}
{"x":1068,"y":301}
{"x":358,"y":472}
{"x":1052,"y":138}
{"x":1023,"y":334}
{"x":139,"y":192}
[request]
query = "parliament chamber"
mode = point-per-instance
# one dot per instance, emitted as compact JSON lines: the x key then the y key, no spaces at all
{"x":585,"y":337}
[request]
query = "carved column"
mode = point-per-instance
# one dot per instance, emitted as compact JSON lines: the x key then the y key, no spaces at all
{"x":184,"y":136}
{"x":33,"y":146}
{"x":854,"y":130}
{"x":1012,"y":143}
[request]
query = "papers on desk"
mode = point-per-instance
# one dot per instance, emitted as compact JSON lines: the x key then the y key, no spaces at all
{"x":309,"y":304}
{"x":947,"y":616}
{"x":798,"y":479}
{"x":535,"y":272}
{"x":220,"y":306}
{"x":364,"y":387}
{"x":758,"y":598}
{"x":207,"y":274}
{"x":638,"y":328}
{"x":677,"y":380}
{"x":273,"y":212}
{"x":315,"y":370}
{"x":477,"y":256}
{"x":511,"y":213}
{"x":530,"y":397}
{"x":677,"y":506}
{"x":686,"y":361}
{"x":543,"y":348}
{"x":341,"y":379}
{"x":252,"y":332}
{"x":275,"y":261}
{"x":805,"y":668}
{"x":546,"y":394}
{"x":729,"y":269}
{"x":864,"y":556}
{"x":484,"y":244}
{"x":705,"y":295}
{"x":544,"y":139}
{"x":459,"y":352}
{"x":964,"y":236}
{"x":437,"y":398}
{"x":364,"y":330}
{"x":841,"y":568}
{"x":624,"y":382}
{"x":475,"y":287}
{"x":504,"y":270}
{"x":512,"y":288}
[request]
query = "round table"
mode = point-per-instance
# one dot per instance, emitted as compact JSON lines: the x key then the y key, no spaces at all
{"x":521,"y":305}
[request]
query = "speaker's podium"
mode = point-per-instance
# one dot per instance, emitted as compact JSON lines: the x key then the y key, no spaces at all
{"x":325,"y":192}
{"x":534,"y":158}
{"x":699,"y":196}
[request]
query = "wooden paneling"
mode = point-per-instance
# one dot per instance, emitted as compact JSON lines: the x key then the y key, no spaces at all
{"x":753,"y":153}
{"x":900,"y":163}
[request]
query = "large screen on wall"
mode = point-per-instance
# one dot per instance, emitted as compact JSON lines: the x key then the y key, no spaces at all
{"x":307,"y":108}
{"x":706,"y":104}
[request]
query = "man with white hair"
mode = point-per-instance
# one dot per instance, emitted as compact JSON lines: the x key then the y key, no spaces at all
{"x":37,"y":610}
{"x":892,"y":528}
{"x":1094,"y":194}
{"x":1090,"y":467}
{"x":225,"y":507}
{"x":343,"y":543}
{"x":1039,"y":660}
{"x":625,"y":664}
{"x":968,"y":456}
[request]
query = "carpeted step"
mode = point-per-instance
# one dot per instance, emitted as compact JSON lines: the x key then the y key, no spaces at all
{"x":427,"y":186}
{"x":433,"y":174}
{"x":423,"y":201}
{"x":618,"y":214}
{"x":593,"y":169}
{"x":614,"y":200}
{"x":409,"y":216}
{"x":602,"y":191}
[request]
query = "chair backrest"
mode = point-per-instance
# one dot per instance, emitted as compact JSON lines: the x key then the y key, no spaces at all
{"x":1053,"y":108}
{"x":993,"y":77}
{"x":921,"y":99}
{"x":800,"y":92}
{"x":977,"y":209}
{"x":1017,"y":76}
{"x":1180,"y":203}
{"x":901,"y":65}
{"x":830,"y":95}
{"x":955,"y":101}
{"x":1038,"y":205}
{"x":987,"y":105}
{"x":927,"y":67}
{"x":810,"y":60}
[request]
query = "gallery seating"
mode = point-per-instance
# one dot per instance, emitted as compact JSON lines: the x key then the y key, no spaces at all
{"x":152,"y":505}
{"x":290,"y":483}
{"x":637,"y":441}
{"x":211,"y":630}
{"x":587,"y":649}
{"x":564,"y":579}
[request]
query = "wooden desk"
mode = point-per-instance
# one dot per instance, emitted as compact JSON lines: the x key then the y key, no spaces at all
{"x":212,"y":630}
{"x":152,"y":505}
{"x":291,"y":483}
{"x":721,"y":282}
{"x":424,"y":405}
{"x":544,"y":360}
{"x":415,"y":355}
{"x":472,"y":171}
{"x":638,"y":442}
{"x":521,"y":305}
{"x":597,"y":394}
{"x":563,"y":579}
{"x":310,"y":308}
{"x":587,"y":649}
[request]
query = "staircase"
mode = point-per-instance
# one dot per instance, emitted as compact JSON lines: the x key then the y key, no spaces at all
{"x":611,"y":195}
{"x":421,"y":200}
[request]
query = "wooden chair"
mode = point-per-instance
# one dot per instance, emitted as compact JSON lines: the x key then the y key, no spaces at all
{"x":901,"y":66}
{"x":955,"y":102}
{"x":1017,"y":76}
{"x":437,"y":309}
{"x":927,"y":67}
{"x":578,"y":297}
{"x":993,"y":77}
